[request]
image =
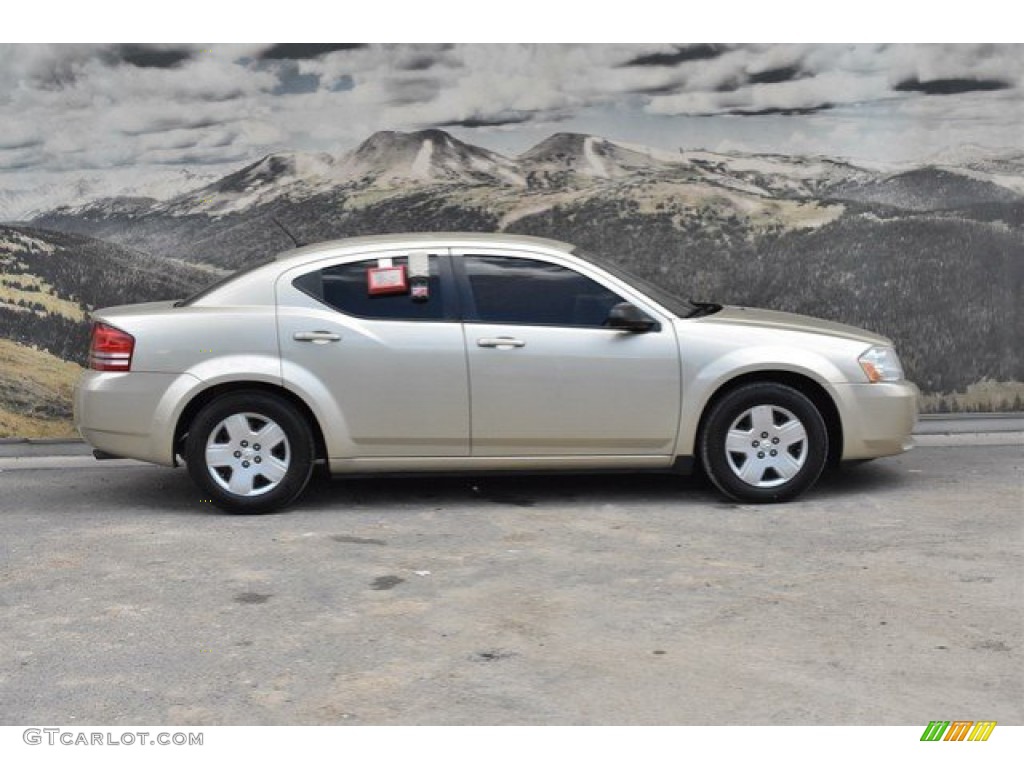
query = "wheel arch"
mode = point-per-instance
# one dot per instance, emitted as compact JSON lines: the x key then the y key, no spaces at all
{"x":202,"y":398}
{"x":806,"y":385}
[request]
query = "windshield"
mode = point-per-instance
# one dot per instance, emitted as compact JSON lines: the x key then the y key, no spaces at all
{"x":674,"y":304}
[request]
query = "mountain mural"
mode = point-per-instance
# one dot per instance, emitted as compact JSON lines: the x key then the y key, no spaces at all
{"x":931,"y":255}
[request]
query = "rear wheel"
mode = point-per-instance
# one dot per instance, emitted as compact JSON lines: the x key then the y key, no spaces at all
{"x":764,"y":442}
{"x":250,"y":452}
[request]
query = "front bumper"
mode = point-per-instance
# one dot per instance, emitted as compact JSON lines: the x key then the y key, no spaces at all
{"x":878,"y":419}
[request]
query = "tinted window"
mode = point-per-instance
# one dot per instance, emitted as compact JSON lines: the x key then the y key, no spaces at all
{"x":675,"y":304}
{"x":527,"y":291}
{"x":346,"y":287}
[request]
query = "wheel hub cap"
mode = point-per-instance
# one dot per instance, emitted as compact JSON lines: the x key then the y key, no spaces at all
{"x":248,"y":454}
{"x":766,"y":446}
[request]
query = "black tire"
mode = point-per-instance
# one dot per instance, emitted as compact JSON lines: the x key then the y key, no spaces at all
{"x":233,"y":469}
{"x":763,"y":443}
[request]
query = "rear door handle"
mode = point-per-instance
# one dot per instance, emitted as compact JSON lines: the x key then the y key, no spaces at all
{"x":501,"y":342}
{"x":317,"y":337}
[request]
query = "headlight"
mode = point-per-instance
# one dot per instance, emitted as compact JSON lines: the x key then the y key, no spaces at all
{"x":881,"y":364}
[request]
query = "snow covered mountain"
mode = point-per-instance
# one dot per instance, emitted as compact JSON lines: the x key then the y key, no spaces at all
{"x":282,"y":173}
{"x":393,"y":160}
{"x":431,"y":180}
{"x":387,"y":159}
{"x":399,"y":161}
{"x":565,"y":157}
{"x":775,"y":175}
{"x":929,"y":189}
{"x":430,"y":156}
{"x":1003,"y":167}
{"x":30,"y":195}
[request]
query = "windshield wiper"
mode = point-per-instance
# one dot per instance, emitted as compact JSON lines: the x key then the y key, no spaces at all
{"x":703,"y":308}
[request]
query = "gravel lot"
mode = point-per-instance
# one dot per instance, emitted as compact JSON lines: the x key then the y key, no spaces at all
{"x":892,"y":595}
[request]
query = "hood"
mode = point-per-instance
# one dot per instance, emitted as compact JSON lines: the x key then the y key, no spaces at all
{"x":788,"y":321}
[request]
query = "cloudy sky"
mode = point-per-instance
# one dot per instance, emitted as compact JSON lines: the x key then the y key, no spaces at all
{"x":93,"y":109}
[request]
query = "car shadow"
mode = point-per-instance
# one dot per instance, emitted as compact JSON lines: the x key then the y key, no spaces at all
{"x":529,"y":490}
{"x":160,"y":489}
{"x":512,"y":490}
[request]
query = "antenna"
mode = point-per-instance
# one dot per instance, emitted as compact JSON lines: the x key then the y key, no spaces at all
{"x":284,"y":229}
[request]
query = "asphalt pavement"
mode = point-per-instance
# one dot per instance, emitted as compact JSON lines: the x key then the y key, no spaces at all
{"x":892,"y":594}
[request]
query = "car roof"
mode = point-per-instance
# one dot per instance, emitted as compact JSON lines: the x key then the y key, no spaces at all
{"x":252,"y":286}
{"x":415,"y":240}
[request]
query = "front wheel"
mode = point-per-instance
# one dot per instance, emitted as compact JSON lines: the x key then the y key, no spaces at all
{"x":764,"y":442}
{"x":249,"y":452}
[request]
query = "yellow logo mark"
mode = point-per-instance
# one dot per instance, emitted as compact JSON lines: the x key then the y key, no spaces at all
{"x":982,"y":730}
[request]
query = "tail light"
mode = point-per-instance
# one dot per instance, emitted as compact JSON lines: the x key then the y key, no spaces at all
{"x":110,"y":349}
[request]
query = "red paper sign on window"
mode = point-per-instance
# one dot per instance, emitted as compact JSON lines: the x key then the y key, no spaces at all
{"x":384,"y":280}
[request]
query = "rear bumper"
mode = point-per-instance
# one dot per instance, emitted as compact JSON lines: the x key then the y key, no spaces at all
{"x":131,"y":415}
{"x":878,"y":419}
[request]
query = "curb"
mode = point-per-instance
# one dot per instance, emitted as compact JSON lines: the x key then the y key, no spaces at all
{"x":40,"y":440}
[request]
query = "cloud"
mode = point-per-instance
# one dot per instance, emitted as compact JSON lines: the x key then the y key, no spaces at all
{"x":199,"y":157}
{"x":802,"y":79}
{"x":678,"y":55}
{"x":25,"y":142}
{"x":291,"y":79}
{"x":776,"y":75}
{"x":419,"y":58}
{"x":294,"y":51}
{"x":490,"y":121}
{"x":785,"y":111}
{"x":71,"y":107}
{"x":342,"y":83}
{"x":924,"y":63}
{"x":40,"y":67}
{"x":791,"y":97}
{"x":165,"y":123}
{"x":21,"y":155}
{"x":419,"y":62}
{"x":149,"y":56}
{"x":413,"y":90}
{"x":950,"y":86}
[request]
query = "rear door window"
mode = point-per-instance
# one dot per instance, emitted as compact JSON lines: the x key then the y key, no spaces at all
{"x":349,"y":288}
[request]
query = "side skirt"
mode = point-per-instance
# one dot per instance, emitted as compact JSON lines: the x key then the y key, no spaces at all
{"x":492,"y":464}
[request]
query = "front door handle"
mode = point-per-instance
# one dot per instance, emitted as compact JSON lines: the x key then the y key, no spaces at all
{"x":317,"y":337}
{"x":501,"y":342}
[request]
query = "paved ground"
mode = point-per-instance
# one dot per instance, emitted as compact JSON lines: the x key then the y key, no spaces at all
{"x":892,"y":595}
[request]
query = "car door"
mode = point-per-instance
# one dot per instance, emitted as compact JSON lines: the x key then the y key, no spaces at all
{"x":384,"y":363}
{"x":547,"y":377}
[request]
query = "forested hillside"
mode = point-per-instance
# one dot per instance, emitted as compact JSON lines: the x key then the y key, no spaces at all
{"x":930,"y":256}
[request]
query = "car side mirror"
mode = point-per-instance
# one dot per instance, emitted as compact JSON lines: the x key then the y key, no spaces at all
{"x":628,"y":317}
